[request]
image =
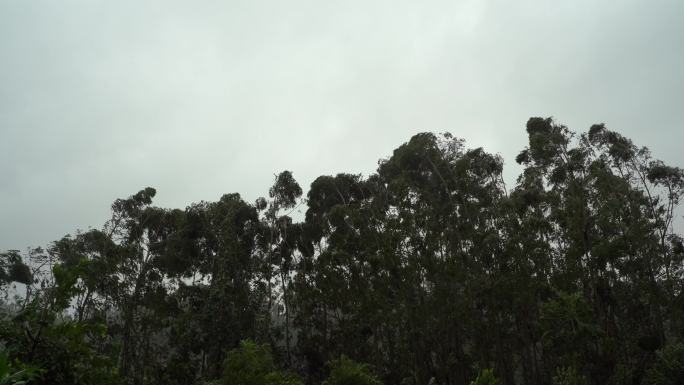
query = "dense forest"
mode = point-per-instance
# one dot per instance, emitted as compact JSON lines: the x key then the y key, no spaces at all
{"x":429,"y":271}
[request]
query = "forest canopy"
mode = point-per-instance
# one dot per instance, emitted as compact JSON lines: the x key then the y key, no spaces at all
{"x":429,"y":271}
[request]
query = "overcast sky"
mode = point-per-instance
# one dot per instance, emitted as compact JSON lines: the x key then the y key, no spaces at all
{"x":99,"y":99}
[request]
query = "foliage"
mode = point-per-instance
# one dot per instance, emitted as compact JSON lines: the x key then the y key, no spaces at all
{"x":486,"y":377}
{"x":252,"y":364}
{"x":9,"y":375}
{"x":568,"y":376}
{"x":426,"y":270}
{"x":13,"y":269}
{"x":248,"y":365}
{"x":668,"y":368}
{"x":344,"y":371}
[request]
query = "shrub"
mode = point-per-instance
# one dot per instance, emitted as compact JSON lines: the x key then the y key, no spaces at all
{"x":345,"y":371}
{"x":9,"y":375}
{"x":486,"y":377}
{"x":252,"y":364}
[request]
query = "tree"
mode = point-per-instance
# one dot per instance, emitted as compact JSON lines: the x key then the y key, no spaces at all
{"x":426,"y":270}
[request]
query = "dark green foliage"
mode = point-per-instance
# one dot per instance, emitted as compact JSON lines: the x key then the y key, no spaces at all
{"x":10,"y":375}
{"x":248,"y":365}
{"x":426,"y":271}
{"x":344,"y":371}
{"x":568,"y":329}
{"x":252,"y":364}
{"x":13,"y":269}
{"x":568,"y":376}
{"x":65,"y":350}
{"x":668,"y":368}
{"x":486,"y":377}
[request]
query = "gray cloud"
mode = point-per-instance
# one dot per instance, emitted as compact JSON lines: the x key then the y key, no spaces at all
{"x":101,"y":98}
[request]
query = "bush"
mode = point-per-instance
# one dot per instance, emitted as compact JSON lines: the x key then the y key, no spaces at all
{"x":252,"y":364}
{"x":248,"y":364}
{"x":345,"y":371}
{"x":486,"y":377}
{"x":9,"y":375}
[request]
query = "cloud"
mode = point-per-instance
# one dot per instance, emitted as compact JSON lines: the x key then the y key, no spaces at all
{"x":100,"y":99}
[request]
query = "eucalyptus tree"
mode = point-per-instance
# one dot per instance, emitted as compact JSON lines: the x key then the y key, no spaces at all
{"x":396,"y":255}
{"x":222,"y":301}
{"x":429,"y":270}
{"x":277,"y":240}
{"x":330,"y":284}
{"x":608,"y":210}
{"x":13,"y":269}
{"x":443,"y":204}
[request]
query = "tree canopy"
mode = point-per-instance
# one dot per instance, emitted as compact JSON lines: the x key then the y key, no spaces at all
{"x":429,"y":271}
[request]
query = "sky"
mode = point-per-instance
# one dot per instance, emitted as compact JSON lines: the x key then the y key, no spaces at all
{"x":99,"y":99}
